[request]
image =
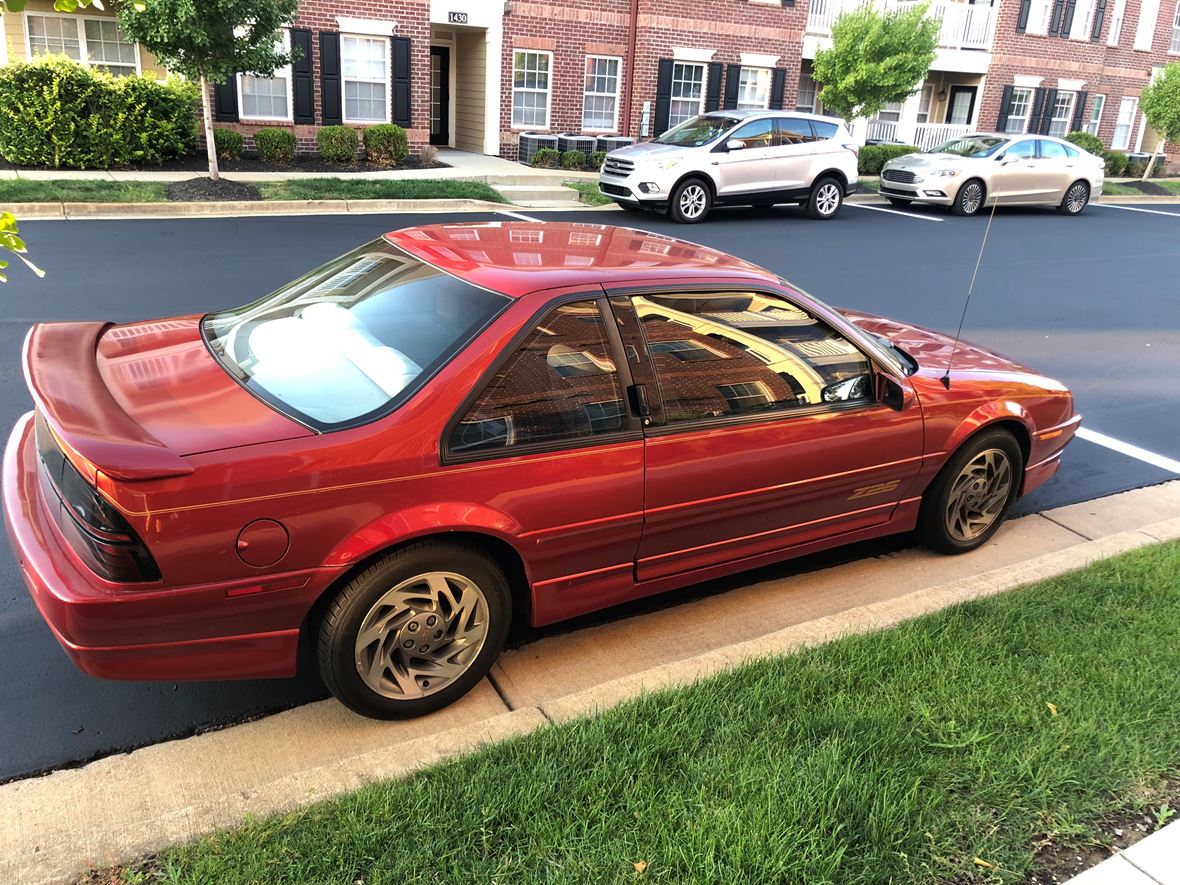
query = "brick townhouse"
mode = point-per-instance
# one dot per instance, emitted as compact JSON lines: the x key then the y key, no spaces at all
{"x":475,"y":74}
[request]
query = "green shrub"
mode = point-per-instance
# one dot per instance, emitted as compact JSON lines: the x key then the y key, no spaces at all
{"x":573,"y":160}
{"x":386,"y":144}
{"x":1134,"y":168}
{"x":546,"y":158}
{"x":1087,"y":142}
{"x":275,"y":145}
{"x":873,"y":156}
{"x":228,"y":143}
{"x":1116,"y":163}
{"x":54,"y":112}
{"x":337,"y":144}
{"x":597,"y":159}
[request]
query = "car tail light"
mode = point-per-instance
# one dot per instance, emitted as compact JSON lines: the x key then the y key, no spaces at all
{"x":94,"y":528}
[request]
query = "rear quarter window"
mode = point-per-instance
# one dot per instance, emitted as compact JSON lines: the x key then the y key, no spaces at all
{"x":824,"y":130}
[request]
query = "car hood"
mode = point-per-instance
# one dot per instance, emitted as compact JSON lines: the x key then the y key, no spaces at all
{"x":932,"y":349}
{"x":918,"y":162}
{"x":649,"y":150}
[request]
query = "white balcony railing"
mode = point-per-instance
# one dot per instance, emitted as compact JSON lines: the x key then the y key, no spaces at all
{"x":928,"y":135}
{"x":964,"y":25}
{"x":882,"y":130}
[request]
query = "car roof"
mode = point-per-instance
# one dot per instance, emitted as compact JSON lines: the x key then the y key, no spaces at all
{"x":771,"y":112}
{"x":517,"y":258}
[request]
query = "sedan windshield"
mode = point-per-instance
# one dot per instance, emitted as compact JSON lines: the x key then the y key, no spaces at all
{"x":974,"y":146}
{"x":351,"y":340}
{"x":698,"y":131}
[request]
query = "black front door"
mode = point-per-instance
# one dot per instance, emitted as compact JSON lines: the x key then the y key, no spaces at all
{"x":440,"y":95}
{"x":961,"y":105}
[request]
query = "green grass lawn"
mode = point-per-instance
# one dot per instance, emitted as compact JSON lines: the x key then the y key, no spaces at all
{"x":27,"y":190}
{"x":940,"y":750}
{"x":588,"y":192}
{"x":378,"y":189}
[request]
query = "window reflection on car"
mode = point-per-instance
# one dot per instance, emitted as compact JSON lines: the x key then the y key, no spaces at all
{"x":974,"y":146}
{"x":698,"y":131}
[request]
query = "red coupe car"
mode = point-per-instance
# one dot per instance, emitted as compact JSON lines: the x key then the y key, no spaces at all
{"x":455,"y":425}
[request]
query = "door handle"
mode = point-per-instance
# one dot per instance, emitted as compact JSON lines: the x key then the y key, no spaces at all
{"x":639,"y":404}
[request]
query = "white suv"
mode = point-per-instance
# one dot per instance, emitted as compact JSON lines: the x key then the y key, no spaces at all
{"x":744,"y":158}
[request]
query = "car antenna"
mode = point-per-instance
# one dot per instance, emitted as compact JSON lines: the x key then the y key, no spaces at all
{"x":946,"y":376}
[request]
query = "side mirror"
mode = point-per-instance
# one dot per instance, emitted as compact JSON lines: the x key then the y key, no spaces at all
{"x":1008,"y":159}
{"x":734,"y":144}
{"x":890,"y":392}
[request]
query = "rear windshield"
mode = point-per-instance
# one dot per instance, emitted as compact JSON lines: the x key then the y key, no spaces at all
{"x":971,"y":146}
{"x":697,"y":131}
{"x":351,"y":340}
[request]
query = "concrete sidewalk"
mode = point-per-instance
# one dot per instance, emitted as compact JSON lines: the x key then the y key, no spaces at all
{"x":1151,"y":861}
{"x":53,"y":827}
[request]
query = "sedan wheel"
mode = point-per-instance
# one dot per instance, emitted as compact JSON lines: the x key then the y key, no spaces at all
{"x":966,"y":503}
{"x":414,"y":632}
{"x":969,"y":199}
{"x":1075,"y":199}
{"x":690,"y":202}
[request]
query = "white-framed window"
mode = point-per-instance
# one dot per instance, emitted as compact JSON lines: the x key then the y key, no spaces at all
{"x":1174,"y":46}
{"x":890,"y":112}
{"x":1096,"y":114}
{"x":1039,"y":12}
{"x":1062,"y":113}
{"x":1116,"y":23}
{"x":754,"y":89}
{"x":743,"y":396}
{"x":364,"y":65}
{"x":93,"y":42}
{"x":805,"y":100}
{"x":1149,"y":11}
{"x":925,"y":102}
{"x":1018,"y":110}
{"x":1124,"y":123}
{"x":600,"y":95}
{"x":688,"y":92}
{"x":267,"y":98}
{"x":531,"y":88}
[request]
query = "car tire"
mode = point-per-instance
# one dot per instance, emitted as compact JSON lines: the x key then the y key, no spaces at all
{"x":1077,"y":196}
{"x":899,"y":202}
{"x":440,"y":599}
{"x":970,"y":198}
{"x":969,"y":498}
{"x":827,"y":196}
{"x":691,"y":201}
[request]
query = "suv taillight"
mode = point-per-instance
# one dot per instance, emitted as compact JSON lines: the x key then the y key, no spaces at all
{"x":95,"y":529}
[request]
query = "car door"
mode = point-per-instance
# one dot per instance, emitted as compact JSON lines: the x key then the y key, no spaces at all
{"x":546,"y":439}
{"x":763,"y":439}
{"x":1057,"y":170}
{"x":796,"y":155}
{"x":751,"y":168}
{"x":1016,"y":178}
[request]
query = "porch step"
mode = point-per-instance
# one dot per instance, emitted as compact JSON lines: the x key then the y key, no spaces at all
{"x":538,"y":194}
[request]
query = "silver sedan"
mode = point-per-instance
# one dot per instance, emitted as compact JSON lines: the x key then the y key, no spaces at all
{"x":974,"y":171}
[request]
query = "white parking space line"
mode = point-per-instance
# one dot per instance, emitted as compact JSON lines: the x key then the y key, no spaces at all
{"x":516,"y":215}
{"x":895,"y":212}
{"x":1137,"y":209}
{"x":1126,"y":448}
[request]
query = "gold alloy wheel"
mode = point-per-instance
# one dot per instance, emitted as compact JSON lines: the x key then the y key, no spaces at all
{"x":978,"y":495}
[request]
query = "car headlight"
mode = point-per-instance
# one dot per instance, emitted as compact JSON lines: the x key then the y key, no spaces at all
{"x":945,"y":173}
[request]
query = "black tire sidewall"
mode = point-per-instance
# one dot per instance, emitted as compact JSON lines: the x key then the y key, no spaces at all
{"x":957,"y":206}
{"x":1063,"y":207}
{"x":813,"y":199}
{"x":339,"y":627}
{"x":674,"y":205}
{"x":932,"y":529}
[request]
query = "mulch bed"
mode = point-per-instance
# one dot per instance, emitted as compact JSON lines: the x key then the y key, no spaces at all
{"x":1149,"y":188}
{"x":198,"y":163}
{"x":205,"y":190}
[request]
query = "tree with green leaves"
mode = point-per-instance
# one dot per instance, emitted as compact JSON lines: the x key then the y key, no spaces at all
{"x":876,"y":58}
{"x":210,"y":41}
{"x":1160,"y":103}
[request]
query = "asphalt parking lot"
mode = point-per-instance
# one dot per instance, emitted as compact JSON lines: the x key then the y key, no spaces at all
{"x":1093,"y":300}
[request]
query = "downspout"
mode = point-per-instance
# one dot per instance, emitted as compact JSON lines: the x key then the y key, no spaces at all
{"x":631,"y":41}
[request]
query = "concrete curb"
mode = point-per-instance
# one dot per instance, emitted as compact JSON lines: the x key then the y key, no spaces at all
{"x":54,"y":827}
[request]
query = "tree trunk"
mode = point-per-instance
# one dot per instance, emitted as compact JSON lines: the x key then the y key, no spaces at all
{"x":1151,"y":163}
{"x":207,"y":116}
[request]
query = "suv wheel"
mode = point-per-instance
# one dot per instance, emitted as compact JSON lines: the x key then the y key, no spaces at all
{"x":826,"y":199}
{"x":691,"y":201}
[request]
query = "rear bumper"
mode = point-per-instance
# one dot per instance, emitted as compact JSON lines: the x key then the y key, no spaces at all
{"x":234,"y":630}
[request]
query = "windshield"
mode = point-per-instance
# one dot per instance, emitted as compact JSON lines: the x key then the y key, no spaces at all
{"x":350,"y":340}
{"x":971,"y":146}
{"x":697,"y":131}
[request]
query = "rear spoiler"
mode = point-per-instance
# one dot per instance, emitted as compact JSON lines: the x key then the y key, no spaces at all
{"x":92,"y":428}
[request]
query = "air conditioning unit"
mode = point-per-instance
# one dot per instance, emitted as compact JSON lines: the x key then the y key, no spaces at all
{"x":531,"y":142}
{"x":609,"y":143}
{"x":571,"y":141}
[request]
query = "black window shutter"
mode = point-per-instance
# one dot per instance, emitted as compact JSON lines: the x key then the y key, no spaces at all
{"x":663,"y":96}
{"x":1079,"y":111}
{"x":1005,"y":106}
{"x":1034,"y":115}
{"x":330,"y":96}
{"x":1067,"y":20}
{"x":788,"y":2}
{"x":1055,"y":17}
{"x":778,"y":88}
{"x":713,"y":90}
{"x":1047,"y":112}
{"x":401,"y":81}
{"x":225,"y":100}
{"x":301,"y":85}
{"x":1022,"y":17}
{"x":733,"y":80}
{"x":1099,"y":15}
